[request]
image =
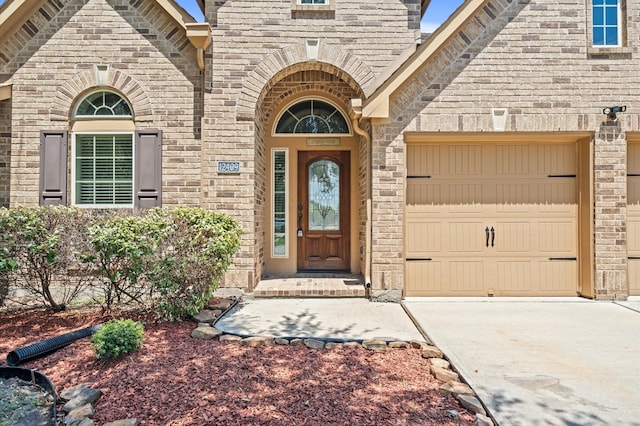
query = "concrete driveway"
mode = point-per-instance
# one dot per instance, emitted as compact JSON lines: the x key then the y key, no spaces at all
{"x":542,"y":361}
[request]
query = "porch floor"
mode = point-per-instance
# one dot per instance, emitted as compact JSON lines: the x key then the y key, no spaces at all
{"x":311,"y":285}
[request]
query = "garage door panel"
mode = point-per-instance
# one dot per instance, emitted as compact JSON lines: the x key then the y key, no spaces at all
{"x":466,"y":276}
{"x":424,"y":161}
{"x":506,"y":187}
{"x":465,"y":197}
{"x":556,"y":238}
{"x":464,"y":160}
{"x":558,"y":196}
{"x":513,"y":237}
{"x":423,"y":196}
{"x":558,"y":277}
{"x":634,"y":277}
{"x":514,"y":276}
{"x":424,"y":278}
{"x":465,"y":237}
{"x":423,"y":238}
{"x":513,"y":160}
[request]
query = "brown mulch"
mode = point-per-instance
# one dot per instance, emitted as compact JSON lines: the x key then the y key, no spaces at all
{"x":177,"y":380}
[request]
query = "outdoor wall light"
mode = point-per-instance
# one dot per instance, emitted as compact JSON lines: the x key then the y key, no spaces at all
{"x":612,"y":111}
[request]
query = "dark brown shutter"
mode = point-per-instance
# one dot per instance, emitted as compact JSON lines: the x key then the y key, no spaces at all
{"x":53,"y":167}
{"x":148,"y":169}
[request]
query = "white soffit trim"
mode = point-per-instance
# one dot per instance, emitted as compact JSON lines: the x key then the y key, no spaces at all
{"x":377,"y":106}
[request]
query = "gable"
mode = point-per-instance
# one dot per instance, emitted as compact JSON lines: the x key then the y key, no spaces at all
{"x":26,"y":24}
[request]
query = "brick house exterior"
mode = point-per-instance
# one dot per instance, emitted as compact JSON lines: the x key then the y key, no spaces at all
{"x":492,"y":127}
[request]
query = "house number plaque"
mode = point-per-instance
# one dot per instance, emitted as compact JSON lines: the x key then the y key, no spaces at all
{"x":228,"y":167}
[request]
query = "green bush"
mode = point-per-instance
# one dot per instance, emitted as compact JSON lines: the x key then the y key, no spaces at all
{"x":117,"y":337}
{"x":121,"y":249}
{"x":196,"y":249}
{"x":39,"y":253}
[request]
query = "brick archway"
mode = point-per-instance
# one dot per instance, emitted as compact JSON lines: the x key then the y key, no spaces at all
{"x":331,"y":59}
{"x":66,"y":95}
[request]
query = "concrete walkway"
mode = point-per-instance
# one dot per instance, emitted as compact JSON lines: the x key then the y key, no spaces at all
{"x":560,"y":361}
{"x":335,"y":319}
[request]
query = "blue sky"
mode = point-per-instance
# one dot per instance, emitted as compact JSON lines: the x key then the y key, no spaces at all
{"x":437,"y":13}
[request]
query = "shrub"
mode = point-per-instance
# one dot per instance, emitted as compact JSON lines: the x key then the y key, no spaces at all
{"x":117,"y":337}
{"x":196,"y":250}
{"x":121,"y":249}
{"x":39,"y":253}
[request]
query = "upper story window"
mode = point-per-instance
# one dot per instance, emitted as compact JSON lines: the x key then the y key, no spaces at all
{"x":312,"y":1}
{"x":607,"y":23}
{"x":312,"y":117}
{"x":103,"y":104}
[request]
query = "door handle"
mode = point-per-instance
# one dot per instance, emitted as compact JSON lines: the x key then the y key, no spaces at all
{"x":493,"y":235}
{"x":299,"y":220}
{"x":486,"y":231}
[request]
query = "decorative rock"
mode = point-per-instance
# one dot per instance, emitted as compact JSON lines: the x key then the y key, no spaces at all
{"x":221,"y":305}
{"x":76,"y":415}
{"x":281,"y":341}
{"x":431,"y":352}
{"x":313,"y":344}
{"x":296,"y":342}
{"x":352,"y":345}
{"x":399,"y":345}
{"x":375,"y":345}
{"x":418,"y":344}
{"x":85,"y":396}
{"x":205,"y":333}
{"x":333,"y":345}
{"x":482,"y":420}
{"x":444,"y":375}
{"x":439,"y":362}
{"x":123,"y":422}
{"x":86,"y":422}
{"x":456,"y":388}
{"x":207,"y":316}
{"x":73,"y":391}
{"x":230,"y":338}
{"x":471,"y":403}
{"x":257,"y":341}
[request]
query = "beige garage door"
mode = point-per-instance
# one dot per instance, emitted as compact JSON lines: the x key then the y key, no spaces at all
{"x":633,"y":217}
{"x":491,"y":218}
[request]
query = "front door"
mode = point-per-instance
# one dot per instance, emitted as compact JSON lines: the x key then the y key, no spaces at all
{"x":323,"y":211}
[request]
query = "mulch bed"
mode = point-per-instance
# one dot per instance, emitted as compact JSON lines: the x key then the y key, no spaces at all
{"x":177,"y":380}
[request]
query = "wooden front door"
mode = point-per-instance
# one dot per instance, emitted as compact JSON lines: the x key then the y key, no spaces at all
{"x":323,"y":211}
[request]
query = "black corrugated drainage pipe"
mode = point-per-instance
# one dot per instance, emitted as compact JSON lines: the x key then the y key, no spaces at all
{"x":44,"y":347}
{"x":34,"y":377}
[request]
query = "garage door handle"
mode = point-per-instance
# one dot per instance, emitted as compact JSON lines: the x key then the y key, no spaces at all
{"x":493,"y":235}
{"x":563,"y":258}
{"x":486,"y":231}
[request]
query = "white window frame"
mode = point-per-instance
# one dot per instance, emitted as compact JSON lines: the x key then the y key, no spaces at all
{"x":619,"y":26}
{"x":286,"y":202}
{"x":73,"y":171}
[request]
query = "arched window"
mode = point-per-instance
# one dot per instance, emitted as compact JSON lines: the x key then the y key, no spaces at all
{"x":103,"y":104}
{"x":312,"y":116}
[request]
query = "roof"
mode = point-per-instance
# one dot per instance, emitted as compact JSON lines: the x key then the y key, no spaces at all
{"x":377,"y":105}
{"x":14,"y":13}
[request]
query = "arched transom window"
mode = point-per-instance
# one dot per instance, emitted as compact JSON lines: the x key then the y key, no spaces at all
{"x":103,"y":104}
{"x":312,"y":116}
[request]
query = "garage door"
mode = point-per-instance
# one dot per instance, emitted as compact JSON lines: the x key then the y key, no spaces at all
{"x":633,"y":217}
{"x":491,"y":218}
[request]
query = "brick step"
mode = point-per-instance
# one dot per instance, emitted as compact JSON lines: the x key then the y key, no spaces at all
{"x":310,"y":285}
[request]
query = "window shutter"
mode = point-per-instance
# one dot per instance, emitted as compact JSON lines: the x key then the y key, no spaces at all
{"x":148,"y":169}
{"x":53,"y":167}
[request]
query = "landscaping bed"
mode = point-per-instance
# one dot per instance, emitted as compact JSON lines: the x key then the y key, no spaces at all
{"x":177,"y":380}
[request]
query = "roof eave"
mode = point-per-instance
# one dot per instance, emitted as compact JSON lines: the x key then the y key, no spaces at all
{"x":377,"y":105}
